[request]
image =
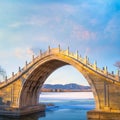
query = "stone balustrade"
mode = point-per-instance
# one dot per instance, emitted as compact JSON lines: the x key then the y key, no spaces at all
{"x":67,"y":52}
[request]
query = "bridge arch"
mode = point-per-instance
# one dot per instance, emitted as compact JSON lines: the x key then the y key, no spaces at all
{"x":40,"y":71}
{"x":21,"y":91}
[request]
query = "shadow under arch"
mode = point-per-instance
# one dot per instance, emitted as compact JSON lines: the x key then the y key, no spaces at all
{"x":40,"y":71}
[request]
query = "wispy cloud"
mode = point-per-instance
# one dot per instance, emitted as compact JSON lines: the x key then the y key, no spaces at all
{"x":112,"y":29}
{"x":34,"y":21}
{"x":48,"y":13}
{"x":80,"y":33}
{"x":15,"y":25}
{"x":23,"y":53}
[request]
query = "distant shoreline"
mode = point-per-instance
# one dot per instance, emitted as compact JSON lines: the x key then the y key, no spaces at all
{"x":60,"y":90}
{"x":72,"y":87}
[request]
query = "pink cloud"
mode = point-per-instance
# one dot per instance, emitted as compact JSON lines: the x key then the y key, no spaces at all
{"x":29,"y":51}
{"x":79,"y":32}
{"x":22,"y":53}
{"x":15,"y":25}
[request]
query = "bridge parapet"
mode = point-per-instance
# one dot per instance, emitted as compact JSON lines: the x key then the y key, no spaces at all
{"x":94,"y":67}
{"x":85,"y":61}
{"x":22,"y":89}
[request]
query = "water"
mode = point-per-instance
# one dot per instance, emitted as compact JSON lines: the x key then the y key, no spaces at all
{"x":62,"y":106}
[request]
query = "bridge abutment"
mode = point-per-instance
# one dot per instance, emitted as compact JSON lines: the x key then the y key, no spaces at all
{"x":103,"y":115}
{"x":16,"y":112}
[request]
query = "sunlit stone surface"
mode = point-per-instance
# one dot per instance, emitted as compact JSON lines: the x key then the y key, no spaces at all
{"x":22,"y":90}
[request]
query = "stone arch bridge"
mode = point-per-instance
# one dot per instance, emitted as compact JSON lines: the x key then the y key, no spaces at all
{"x":19,"y":94}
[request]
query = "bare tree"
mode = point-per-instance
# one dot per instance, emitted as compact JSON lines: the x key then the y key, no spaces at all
{"x":2,"y":74}
{"x":117,"y":64}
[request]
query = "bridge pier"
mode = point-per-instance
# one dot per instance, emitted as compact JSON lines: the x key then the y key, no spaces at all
{"x":16,"y":112}
{"x":103,"y":115}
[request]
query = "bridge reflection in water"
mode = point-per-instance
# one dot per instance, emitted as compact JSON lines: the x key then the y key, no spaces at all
{"x":20,"y":93}
{"x":34,"y":116}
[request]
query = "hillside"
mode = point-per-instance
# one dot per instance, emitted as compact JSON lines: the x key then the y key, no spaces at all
{"x":66,"y":87}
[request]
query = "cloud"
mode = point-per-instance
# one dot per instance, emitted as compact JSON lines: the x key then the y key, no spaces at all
{"x":19,"y":53}
{"x":23,"y":53}
{"x":48,"y":13}
{"x":81,"y":33}
{"x":33,"y":21}
{"x":69,"y":9}
{"x":29,"y":51}
{"x":5,"y":54}
{"x":112,"y":29}
{"x":15,"y":25}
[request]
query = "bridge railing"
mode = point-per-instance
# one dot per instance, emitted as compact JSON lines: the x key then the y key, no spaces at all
{"x":28,"y":65}
{"x":77,"y":57}
{"x":84,"y":61}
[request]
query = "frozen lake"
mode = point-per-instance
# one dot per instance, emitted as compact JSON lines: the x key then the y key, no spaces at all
{"x":67,"y":106}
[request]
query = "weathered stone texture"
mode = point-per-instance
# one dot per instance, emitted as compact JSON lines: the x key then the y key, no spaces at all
{"x":23,"y":89}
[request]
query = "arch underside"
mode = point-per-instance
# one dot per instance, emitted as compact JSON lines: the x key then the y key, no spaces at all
{"x":31,"y":89}
{"x":33,"y":84}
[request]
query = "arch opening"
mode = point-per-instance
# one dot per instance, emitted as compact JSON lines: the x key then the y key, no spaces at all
{"x":65,"y":75}
{"x":65,"y":101}
{"x":39,"y":74}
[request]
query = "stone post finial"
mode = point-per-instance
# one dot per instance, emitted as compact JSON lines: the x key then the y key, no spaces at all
{"x":77,"y":54}
{"x":106,"y":69}
{"x":40,"y":52}
{"x":49,"y":48}
{"x":19,"y":69}
{"x":68,"y":50}
{"x":12,"y":74}
{"x":103,"y":68}
{"x":118,"y":72}
{"x":112,"y":72}
{"x":118,"y":75}
{"x":95,"y":65}
{"x":86,"y":60}
{"x":5,"y":78}
{"x":33,"y":57}
{"x":26,"y":63}
{"x":59,"y":47}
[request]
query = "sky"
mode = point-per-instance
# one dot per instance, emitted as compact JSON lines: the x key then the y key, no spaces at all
{"x":90,"y":26}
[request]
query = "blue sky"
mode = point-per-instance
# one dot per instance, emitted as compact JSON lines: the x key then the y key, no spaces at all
{"x":90,"y":26}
